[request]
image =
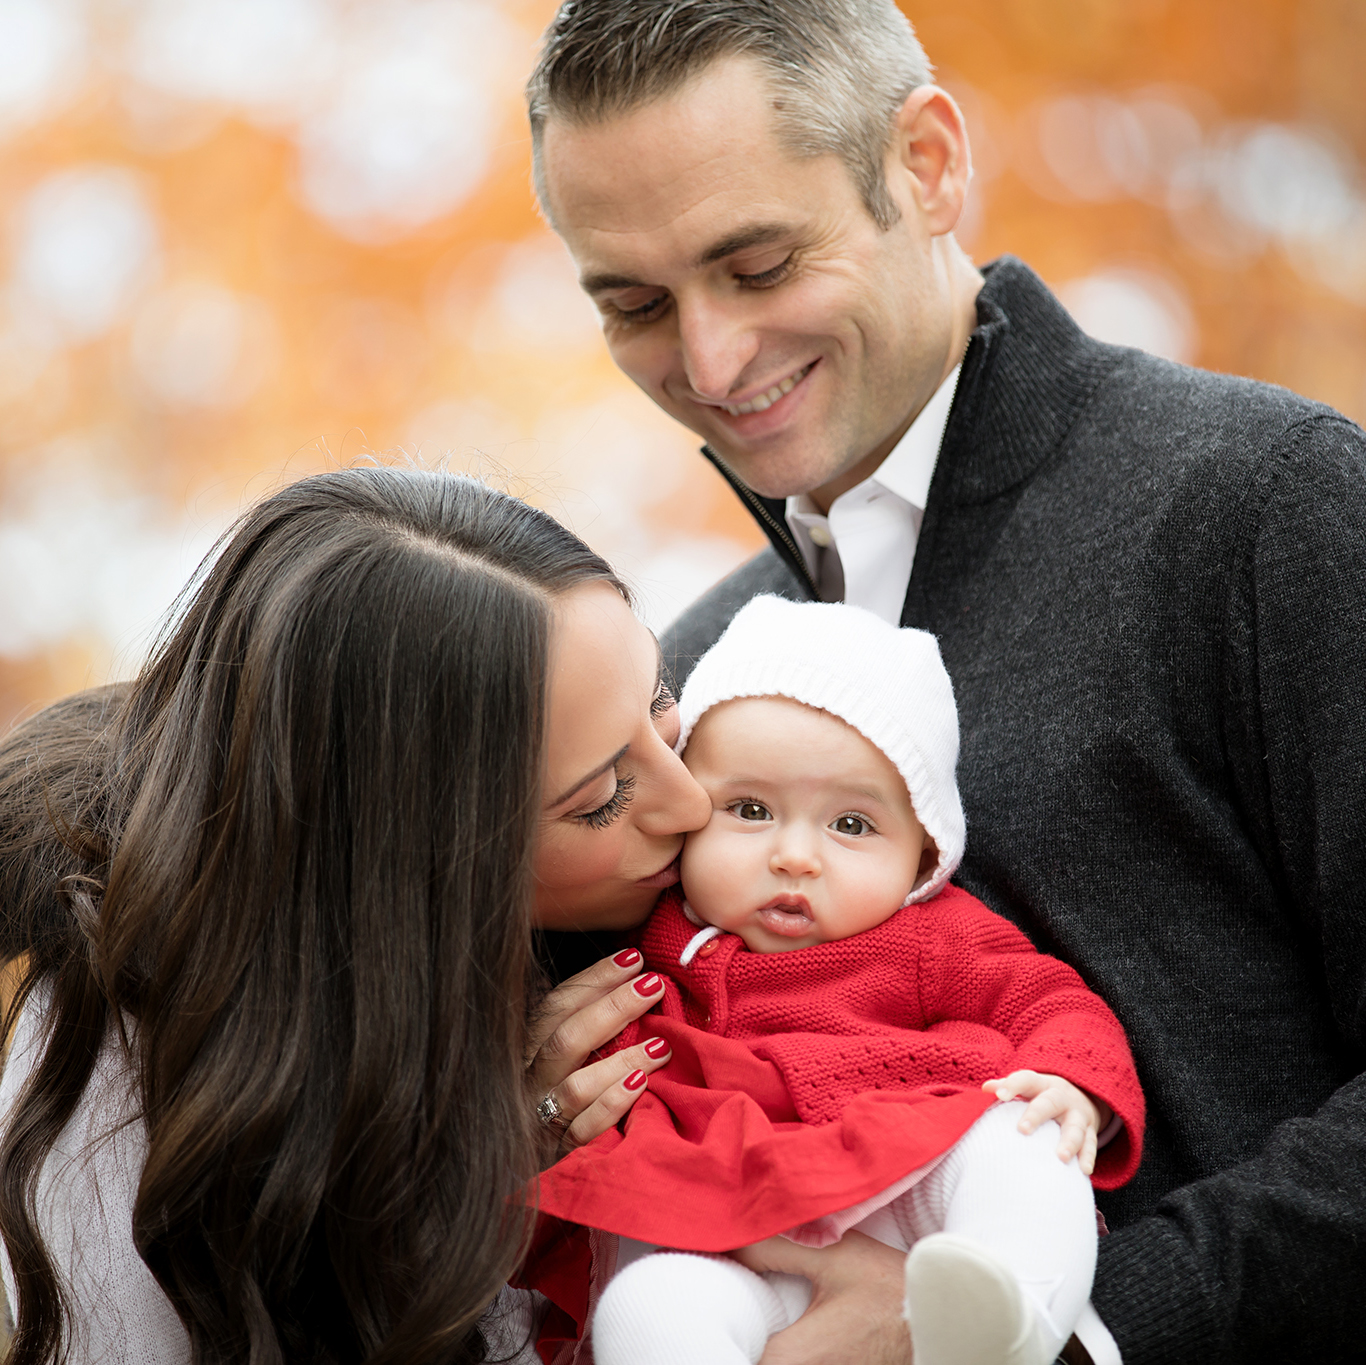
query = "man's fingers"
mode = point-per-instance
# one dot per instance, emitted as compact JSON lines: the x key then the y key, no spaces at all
{"x":582,"y":990}
{"x":855,"y":1312}
{"x":777,"y":1253}
{"x":587,"y":1029}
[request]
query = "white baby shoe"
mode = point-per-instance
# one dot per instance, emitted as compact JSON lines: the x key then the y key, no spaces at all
{"x":965,"y":1307}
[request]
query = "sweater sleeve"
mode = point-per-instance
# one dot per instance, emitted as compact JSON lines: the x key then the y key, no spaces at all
{"x":984,"y":970}
{"x":1265,"y":1261}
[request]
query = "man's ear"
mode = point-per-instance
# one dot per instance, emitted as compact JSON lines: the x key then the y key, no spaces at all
{"x":930,"y":158}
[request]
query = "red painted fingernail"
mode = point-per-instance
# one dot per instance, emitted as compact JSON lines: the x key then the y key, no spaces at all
{"x":628,"y":957}
{"x":635,"y":1080}
{"x":650,"y":984}
{"x":656,"y":1047}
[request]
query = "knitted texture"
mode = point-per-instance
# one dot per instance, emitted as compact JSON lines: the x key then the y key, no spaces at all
{"x":1147,"y":583}
{"x":888,"y":684}
{"x":878,"y":1043}
{"x":940,"y":997}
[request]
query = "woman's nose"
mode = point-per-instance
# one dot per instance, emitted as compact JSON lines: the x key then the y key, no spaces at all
{"x":673,"y":802}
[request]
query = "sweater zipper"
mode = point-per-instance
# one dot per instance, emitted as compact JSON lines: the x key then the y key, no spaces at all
{"x":770,"y":523}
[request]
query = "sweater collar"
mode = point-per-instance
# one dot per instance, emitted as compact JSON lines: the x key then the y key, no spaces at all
{"x":1027,"y":373}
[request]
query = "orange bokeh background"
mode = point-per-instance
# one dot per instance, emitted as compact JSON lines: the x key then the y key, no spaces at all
{"x":1187,"y":175}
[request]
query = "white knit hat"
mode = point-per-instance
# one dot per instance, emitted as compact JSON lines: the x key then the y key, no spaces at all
{"x":889,"y":684}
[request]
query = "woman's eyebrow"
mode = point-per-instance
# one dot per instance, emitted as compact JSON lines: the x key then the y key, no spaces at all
{"x":591,"y":777}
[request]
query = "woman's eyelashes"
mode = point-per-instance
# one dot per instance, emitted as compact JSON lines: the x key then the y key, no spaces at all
{"x":613,"y":808}
{"x":664,"y":700}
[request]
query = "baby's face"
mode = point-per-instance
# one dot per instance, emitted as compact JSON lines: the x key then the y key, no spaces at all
{"x":812,"y":834}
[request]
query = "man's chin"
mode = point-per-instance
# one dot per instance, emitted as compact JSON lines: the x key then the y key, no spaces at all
{"x":780,"y":472}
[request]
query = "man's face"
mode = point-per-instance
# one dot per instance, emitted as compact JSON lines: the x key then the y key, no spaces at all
{"x":749,"y":292}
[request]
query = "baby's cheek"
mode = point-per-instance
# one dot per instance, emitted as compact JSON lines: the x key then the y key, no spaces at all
{"x":704,"y":872}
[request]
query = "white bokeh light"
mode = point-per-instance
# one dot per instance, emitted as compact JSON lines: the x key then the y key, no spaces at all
{"x":1102,"y":148}
{"x":43,"y":56}
{"x":84,"y":556}
{"x":86,"y":243}
{"x":1283,"y":181}
{"x":1131,"y":306}
{"x":538,"y":302}
{"x":405,"y":135}
{"x":199,"y":345}
{"x":268,"y":57}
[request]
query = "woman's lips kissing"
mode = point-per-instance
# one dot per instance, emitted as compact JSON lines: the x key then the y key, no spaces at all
{"x":666,"y":876}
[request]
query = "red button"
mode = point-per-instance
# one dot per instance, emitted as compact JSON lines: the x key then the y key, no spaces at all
{"x":709,"y":947}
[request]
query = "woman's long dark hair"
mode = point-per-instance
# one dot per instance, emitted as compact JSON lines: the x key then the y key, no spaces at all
{"x":314,"y":929}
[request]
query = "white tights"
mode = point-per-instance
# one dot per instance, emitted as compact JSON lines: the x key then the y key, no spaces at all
{"x":1006,"y":1191}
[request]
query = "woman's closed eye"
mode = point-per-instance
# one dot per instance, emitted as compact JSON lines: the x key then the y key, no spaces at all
{"x":613,"y":808}
{"x":663,"y":702}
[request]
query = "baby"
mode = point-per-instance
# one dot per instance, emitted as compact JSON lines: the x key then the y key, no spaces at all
{"x":856,"y":1042}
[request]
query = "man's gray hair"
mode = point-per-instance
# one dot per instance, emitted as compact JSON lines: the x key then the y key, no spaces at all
{"x":840,"y":70}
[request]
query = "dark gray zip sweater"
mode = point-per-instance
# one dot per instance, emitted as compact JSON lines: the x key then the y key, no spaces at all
{"x":1149,"y":586}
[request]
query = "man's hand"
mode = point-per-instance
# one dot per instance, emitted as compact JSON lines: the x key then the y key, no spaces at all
{"x":1081,"y":1118}
{"x":855,"y":1312}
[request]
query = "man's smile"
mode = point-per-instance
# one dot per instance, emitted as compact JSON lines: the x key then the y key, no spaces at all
{"x":761,"y":402}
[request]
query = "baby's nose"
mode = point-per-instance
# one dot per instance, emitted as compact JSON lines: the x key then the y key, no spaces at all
{"x":796,"y":855}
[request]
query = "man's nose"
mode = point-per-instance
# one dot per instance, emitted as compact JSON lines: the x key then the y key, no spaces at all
{"x":717,"y":345}
{"x":795,"y":853}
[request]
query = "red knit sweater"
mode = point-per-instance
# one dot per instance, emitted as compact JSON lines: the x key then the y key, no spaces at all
{"x":805,"y":1082}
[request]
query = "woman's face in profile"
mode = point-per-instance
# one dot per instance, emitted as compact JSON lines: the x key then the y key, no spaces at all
{"x":618,"y":799}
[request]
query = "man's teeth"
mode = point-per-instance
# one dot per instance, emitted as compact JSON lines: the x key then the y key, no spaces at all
{"x":767,"y":399}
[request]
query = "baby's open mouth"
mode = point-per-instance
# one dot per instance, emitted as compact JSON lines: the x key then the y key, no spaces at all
{"x":787,"y":915}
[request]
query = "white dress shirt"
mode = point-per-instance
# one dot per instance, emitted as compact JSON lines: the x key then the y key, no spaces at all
{"x":862,"y":552}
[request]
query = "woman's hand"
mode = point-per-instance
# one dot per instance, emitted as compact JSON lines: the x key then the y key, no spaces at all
{"x":855,"y":1311}
{"x":1081,"y":1117}
{"x":579,"y":1016}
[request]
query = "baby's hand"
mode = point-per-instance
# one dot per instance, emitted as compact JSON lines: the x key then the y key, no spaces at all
{"x":1080,"y":1117}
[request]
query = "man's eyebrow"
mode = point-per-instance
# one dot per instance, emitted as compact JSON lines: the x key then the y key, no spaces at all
{"x":595,"y":284}
{"x":590,"y":777}
{"x":757,"y":234}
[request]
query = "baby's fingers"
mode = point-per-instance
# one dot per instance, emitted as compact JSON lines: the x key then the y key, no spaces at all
{"x":1087,"y":1156}
{"x":1018,"y":1085}
{"x":1074,"y":1130}
{"x":1050,"y":1104}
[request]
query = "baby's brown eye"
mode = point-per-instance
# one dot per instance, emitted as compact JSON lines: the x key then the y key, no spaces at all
{"x":850,"y":824}
{"x":752,"y":810}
